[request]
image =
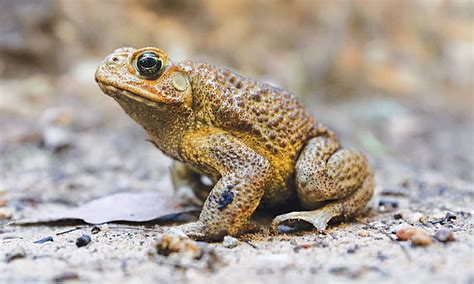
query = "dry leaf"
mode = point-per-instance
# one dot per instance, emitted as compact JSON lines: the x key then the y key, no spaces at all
{"x":131,"y":207}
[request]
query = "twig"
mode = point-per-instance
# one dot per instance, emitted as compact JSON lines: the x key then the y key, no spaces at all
{"x":407,"y":254}
{"x":134,"y":228}
{"x":250,"y":244}
{"x":8,"y":224}
{"x":70,"y":230}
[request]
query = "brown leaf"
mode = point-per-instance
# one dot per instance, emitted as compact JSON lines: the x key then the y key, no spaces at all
{"x":131,"y":207}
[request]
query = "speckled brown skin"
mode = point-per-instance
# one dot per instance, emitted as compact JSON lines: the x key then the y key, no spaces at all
{"x":255,"y":142}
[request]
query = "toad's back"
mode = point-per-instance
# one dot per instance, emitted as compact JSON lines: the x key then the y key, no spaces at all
{"x":269,"y":120}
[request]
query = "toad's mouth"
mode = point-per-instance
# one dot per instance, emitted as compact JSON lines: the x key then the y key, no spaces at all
{"x":118,"y":93}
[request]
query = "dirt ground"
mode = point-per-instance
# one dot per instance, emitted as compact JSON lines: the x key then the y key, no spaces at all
{"x":62,"y":143}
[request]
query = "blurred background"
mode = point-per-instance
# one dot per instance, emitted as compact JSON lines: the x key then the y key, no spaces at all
{"x":391,"y":77}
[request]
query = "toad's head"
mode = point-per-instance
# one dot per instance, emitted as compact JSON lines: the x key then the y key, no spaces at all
{"x":144,"y":75}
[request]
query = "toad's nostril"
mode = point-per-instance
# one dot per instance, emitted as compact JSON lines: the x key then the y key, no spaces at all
{"x":115,"y":59}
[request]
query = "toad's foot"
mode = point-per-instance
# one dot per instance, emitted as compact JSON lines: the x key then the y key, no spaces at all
{"x":346,"y":207}
{"x":194,"y":230}
{"x":318,"y":218}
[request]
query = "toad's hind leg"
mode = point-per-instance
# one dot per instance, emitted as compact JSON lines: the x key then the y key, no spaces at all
{"x":330,"y":182}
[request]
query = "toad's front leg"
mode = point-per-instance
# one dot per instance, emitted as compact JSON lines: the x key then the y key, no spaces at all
{"x":244,"y":174}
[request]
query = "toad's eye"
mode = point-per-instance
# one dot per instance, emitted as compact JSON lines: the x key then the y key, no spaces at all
{"x":149,"y":65}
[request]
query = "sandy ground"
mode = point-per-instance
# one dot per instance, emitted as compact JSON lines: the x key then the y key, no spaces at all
{"x":62,"y":150}
{"x":392,"y":78}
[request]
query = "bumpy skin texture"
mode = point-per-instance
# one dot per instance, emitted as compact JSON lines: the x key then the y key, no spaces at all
{"x":254,"y":141}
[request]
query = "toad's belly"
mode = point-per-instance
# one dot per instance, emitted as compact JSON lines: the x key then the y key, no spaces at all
{"x":281,"y":187}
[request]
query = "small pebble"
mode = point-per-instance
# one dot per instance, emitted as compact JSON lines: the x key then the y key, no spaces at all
{"x":438,"y":217}
{"x":404,"y":232}
{"x":397,"y":216}
{"x":443,"y":218}
{"x":65,"y":276}
{"x":5,"y":213}
{"x":386,"y":205}
{"x":174,"y":243}
{"x":450,"y":216}
{"x":364,"y":233}
{"x":415,"y":218}
{"x":352,"y":249}
{"x":44,"y":240}
{"x":95,"y":230}
{"x":83,"y":240}
{"x":444,"y":235}
{"x":417,"y":236}
{"x":381,"y":256}
{"x":405,"y":183}
{"x":230,"y":242}
{"x":105,"y":228}
{"x":17,"y":253}
{"x":420,"y":238}
{"x":339,"y":270}
{"x":187,"y":251}
{"x":300,"y":247}
{"x":56,"y":138}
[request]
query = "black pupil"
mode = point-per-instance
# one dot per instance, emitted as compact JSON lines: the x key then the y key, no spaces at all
{"x":149,"y":64}
{"x":148,"y":61}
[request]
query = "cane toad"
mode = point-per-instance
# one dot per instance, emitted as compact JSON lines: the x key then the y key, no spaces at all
{"x":256,"y":142}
